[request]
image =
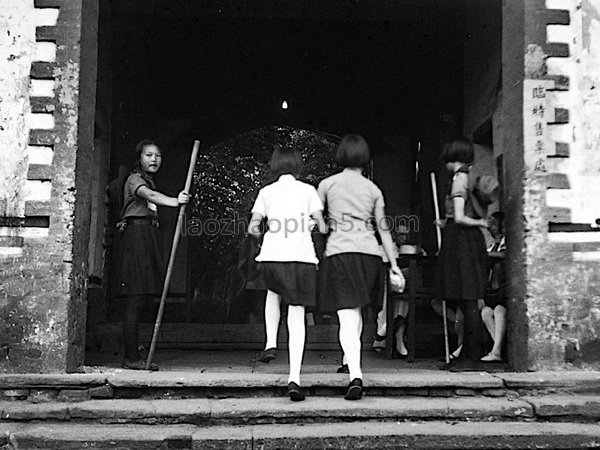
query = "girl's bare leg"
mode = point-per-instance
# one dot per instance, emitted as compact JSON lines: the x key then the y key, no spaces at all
{"x":495,"y":322}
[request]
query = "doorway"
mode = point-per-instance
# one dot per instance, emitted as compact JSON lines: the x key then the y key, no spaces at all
{"x":392,"y":71}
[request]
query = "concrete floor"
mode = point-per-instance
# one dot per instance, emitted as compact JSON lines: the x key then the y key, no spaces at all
{"x":243,"y":361}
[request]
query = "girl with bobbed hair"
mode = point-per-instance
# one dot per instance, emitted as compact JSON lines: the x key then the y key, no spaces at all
{"x":462,"y":262}
{"x":288,"y":261}
{"x":353,"y":267}
{"x":141,"y":269}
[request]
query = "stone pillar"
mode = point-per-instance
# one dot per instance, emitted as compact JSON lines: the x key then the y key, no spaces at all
{"x":551,"y":68}
{"x":48,"y":63}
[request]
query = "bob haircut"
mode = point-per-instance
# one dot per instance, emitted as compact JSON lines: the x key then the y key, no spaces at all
{"x":353,"y":151}
{"x":458,"y":150}
{"x":285,"y":160}
{"x":139,"y":148}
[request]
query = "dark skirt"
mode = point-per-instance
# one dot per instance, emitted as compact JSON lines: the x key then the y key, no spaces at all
{"x":495,"y":298}
{"x":351,"y":280}
{"x":141,"y":270}
{"x":462,"y":264}
{"x":296,"y":282}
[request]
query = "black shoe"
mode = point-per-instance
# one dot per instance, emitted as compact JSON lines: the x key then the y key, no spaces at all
{"x":355,"y":389}
{"x":266,"y":356}
{"x":343,"y":369}
{"x":295,"y":392}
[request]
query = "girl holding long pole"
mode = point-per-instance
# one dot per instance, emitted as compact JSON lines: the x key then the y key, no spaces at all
{"x":462,"y":265}
{"x":141,"y":272}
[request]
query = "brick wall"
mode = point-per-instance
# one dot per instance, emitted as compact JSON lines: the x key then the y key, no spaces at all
{"x":44,"y":135}
{"x":553,"y":183}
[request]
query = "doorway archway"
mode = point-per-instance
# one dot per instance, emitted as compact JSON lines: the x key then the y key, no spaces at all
{"x":392,"y":71}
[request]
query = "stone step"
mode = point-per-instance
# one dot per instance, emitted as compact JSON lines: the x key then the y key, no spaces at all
{"x":233,"y":411}
{"x":196,"y":384}
{"x":355,"y":435}
{"x":267,"y":410}
{"x":142,"y":384}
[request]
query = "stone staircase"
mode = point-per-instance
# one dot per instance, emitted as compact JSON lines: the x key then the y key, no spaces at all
{"x":422,"y":409}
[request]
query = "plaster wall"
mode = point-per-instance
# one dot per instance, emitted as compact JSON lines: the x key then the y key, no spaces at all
{"x":561,"y":176}
{"x":44,"y":204}
{"x":17,"y":49}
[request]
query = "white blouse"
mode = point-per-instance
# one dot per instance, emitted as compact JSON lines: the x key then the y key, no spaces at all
{"x":288,"y":205}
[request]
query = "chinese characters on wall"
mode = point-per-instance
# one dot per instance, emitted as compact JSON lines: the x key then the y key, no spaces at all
{"x":535,"y":110}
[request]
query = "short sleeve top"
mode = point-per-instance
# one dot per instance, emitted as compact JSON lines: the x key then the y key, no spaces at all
{"x":135,"y":206}
{"x":288,"y":205}
{"x":350,"y":200}
{"x":459,"y":187}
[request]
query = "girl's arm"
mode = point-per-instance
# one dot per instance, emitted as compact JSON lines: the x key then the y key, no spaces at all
{"x":460,"y":217}
{"x":386,"y":238}
{"x":161,"y":199}
{"x":321,"y":225}
{"x":254,"y":225}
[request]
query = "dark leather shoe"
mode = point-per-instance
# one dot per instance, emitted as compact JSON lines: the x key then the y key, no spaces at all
{"x":343,"y":369}
{"x":266,"y":356}
{"x":355,"y":389}
{"x":295,"y":392}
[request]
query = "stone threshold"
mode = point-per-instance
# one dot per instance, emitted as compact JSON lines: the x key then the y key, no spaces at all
{"x":117,"y":383}
{"x":412,"y":378}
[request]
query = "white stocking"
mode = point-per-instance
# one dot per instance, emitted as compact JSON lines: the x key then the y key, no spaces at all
{"x":350,"y":331}
{"x":296,"y":334}
{"x":272,"y":318}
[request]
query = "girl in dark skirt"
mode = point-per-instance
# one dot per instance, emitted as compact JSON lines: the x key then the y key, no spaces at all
{"x":353,"y":268}
{"x":287,"y":257}
{"x":462,"y":264}
{"x":141,"y":270}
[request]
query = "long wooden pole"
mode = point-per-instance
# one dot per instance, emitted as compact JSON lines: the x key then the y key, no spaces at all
{"x":439,"y":242}
{"x":180,"y":218}
{"x":436,"y":209}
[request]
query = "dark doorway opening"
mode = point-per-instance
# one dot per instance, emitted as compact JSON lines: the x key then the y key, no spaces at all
{"x":392,"y":71}
{"x":378,"y":68}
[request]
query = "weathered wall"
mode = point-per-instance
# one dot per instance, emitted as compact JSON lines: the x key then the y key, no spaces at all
{"x":17,"y":46}
{"x":45,"y":213}
{"x":552,"y":160}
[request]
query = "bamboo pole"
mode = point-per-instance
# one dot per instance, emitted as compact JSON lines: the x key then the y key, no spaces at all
{"x":439,"y":242}
{"x":180,"y":217}
{"x":436,"y":209}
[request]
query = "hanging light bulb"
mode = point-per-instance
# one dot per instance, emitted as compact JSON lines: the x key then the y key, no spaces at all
{"x":284,"y":104}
